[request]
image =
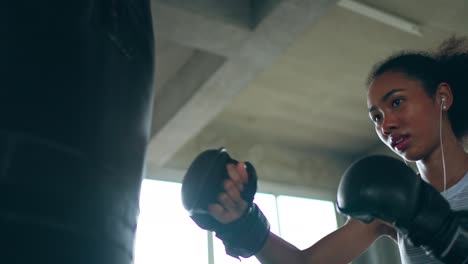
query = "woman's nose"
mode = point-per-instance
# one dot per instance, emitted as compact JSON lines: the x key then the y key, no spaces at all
{"x":389,"y":123}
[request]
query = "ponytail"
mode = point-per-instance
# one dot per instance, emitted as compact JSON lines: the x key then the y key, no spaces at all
{"x":452,"y":56}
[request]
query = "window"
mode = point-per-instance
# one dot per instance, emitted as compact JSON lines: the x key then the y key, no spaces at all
{"x":305,"y":221}
{"x":167,"y":235}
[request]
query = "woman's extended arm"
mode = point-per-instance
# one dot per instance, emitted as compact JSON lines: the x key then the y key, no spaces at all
{"x":341,"y":246}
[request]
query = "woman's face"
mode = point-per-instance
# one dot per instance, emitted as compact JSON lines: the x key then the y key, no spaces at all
{"x":406,"y":118}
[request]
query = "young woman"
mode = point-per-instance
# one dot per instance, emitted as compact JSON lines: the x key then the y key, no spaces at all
{"x":419,"y":105}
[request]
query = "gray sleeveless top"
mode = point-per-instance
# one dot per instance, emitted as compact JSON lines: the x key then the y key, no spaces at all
{"x":457,"y":196}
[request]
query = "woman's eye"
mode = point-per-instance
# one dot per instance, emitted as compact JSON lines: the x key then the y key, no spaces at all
{"x":376,"y":118}
{"x":396,"y":102}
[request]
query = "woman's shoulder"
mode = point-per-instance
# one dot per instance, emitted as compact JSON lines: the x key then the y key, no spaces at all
{"x":457,"y":195}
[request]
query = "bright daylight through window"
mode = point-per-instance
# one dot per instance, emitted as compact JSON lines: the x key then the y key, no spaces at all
{"x":167,"y":235}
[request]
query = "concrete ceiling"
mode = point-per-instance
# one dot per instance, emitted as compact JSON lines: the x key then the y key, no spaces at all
{"x":278,"y":83}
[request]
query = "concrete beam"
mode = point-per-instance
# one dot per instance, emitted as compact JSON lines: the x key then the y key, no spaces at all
{"x":179,"y":89}
{"x":193,"y":30}
{"x":263,"y":46}
{"x":238,"y":13}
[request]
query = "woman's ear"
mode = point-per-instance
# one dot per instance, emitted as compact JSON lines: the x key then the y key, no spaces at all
{"x":444,"y":96}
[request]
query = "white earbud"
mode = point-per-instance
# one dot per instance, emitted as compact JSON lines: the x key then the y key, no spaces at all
{"x":443,"y":103}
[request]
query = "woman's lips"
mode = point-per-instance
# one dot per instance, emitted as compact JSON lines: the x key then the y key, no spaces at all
{"x":402,"y":144}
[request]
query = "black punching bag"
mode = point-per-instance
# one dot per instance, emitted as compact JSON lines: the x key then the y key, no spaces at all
{"x":75,"y":107}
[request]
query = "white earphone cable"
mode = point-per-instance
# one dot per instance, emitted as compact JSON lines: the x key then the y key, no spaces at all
{"x":442,"y":146}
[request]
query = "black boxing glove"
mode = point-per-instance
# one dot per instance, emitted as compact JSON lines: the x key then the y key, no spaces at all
{"x":385,"y":188}
{"x":202,"y":184}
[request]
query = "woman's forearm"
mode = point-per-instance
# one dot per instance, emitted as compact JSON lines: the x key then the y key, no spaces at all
{"x":338,"y":247}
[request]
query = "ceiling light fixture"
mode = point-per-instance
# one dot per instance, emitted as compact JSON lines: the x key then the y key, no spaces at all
{"x":381,"y":16}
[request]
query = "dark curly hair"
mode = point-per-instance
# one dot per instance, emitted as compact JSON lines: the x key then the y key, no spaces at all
{"x":449,"y":63}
